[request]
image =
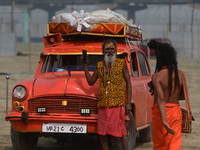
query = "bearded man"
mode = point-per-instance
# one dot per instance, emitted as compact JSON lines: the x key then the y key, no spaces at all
{"x":112,"y":106}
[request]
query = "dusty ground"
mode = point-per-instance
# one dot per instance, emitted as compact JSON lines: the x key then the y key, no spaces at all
{"x":21,"y":69}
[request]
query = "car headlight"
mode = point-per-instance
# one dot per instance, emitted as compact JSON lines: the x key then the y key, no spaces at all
{"x":19,"y":92}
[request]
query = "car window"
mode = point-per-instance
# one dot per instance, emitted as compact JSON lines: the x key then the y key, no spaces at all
{"x":58,"y":63}
{"x":165,"y":41}
{"x":144,"y":43}
{"x":134,"y":65}
{"x":143,"y":65}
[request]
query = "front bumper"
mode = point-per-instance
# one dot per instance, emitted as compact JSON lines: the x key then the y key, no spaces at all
{"x":24,"y":122}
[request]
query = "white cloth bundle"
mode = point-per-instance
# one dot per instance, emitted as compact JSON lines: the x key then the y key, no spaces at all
{"x":77,"y":20}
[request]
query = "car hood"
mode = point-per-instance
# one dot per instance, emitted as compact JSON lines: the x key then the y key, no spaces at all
{"x":60,"y":84}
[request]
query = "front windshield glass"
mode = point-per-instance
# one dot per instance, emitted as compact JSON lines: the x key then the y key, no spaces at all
{"x":58,"y":63}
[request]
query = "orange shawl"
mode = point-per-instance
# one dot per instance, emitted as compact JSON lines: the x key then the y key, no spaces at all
{"x":163,"y":140}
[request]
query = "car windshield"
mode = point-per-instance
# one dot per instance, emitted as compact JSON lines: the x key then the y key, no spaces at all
{"x":58,"y":63}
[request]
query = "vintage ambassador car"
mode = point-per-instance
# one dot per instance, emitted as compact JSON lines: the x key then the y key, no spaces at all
{"x":59,"y":101}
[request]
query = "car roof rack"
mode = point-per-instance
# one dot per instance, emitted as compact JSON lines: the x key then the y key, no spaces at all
{"x":101,"y":29}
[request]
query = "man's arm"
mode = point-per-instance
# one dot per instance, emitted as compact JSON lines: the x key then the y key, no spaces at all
{"x":128,"y":88}
{"x":90,"y":79}
{"x":159,"y":94}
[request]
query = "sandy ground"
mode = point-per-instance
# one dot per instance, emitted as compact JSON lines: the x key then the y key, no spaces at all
{"x":21,"y":69}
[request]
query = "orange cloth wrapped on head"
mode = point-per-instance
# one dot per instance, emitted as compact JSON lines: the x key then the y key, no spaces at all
{"x":163,"y":140}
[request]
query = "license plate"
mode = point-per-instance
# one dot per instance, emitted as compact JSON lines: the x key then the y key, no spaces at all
{"x":64,"y":128}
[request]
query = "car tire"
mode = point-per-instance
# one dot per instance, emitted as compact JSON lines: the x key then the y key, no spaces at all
{"x":116,"y":143}
{"x":145,"y":135}
{"x":23,"y":141}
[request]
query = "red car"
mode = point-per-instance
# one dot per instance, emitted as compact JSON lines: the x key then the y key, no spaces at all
{"x":59,"y":102}
{"x":152,"y":52}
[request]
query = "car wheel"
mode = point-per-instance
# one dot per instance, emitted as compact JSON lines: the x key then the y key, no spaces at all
{"x":23,"y":141}
{"x":145,"y":134}
{"x":116,"y":143}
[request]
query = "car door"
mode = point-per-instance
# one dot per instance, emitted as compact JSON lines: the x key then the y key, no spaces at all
{"x":146,"y":77}
{"x":138,"y":89}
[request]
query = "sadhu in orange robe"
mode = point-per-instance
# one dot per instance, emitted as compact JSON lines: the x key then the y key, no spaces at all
{"x":163,"y":140}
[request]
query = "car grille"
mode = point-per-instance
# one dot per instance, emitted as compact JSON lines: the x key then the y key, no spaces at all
{"x":54,"y":104}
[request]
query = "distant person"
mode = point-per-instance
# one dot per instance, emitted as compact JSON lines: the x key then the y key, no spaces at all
{"x":166,"y":112}
{"x":112,"y":106}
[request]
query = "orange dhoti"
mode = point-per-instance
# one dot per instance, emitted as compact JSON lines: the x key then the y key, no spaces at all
{"x":163,"y":140}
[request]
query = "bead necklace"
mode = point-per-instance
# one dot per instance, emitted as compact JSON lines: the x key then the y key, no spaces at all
{"x":107,"y":73}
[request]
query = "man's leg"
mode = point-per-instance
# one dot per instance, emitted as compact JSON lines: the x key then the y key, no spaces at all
{"x":104,"y":142}
{"x":125,"y":142}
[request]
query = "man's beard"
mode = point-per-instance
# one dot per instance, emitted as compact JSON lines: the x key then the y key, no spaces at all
{"x":109,"y":59}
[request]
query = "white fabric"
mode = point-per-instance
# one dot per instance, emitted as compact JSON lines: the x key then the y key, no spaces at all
{"x":93,"y":18}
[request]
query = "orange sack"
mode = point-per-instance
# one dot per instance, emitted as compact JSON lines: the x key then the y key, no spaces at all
{"x":163,"y":140}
